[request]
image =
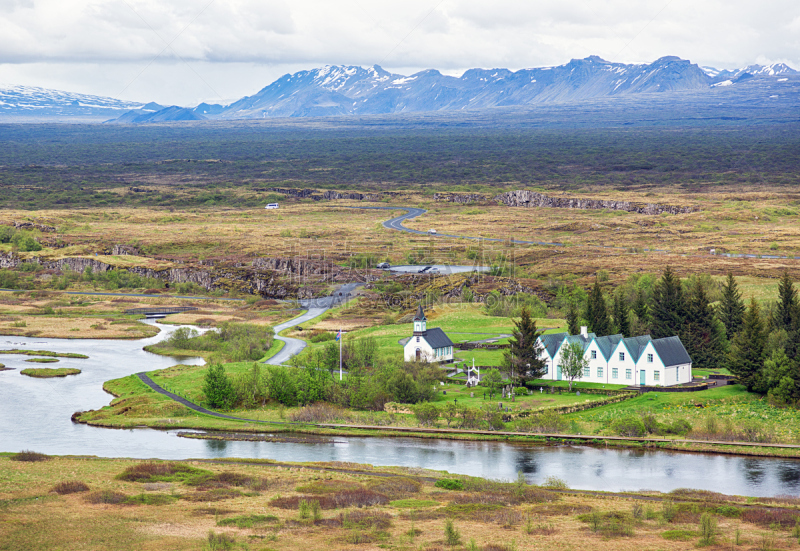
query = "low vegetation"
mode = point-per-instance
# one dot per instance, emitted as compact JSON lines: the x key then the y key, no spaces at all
{"x":250,"y":502}
{"x":48,"y":373}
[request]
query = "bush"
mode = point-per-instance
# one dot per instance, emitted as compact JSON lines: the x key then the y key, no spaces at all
{"x":452,"y":536}
{"x":106,"y":497}
{"x":555,"y":483}
{"x":450,"y":484}
{"x":29,"y":456}
{"x":163,"y":472}
{"x":70,"y":487}
{"x":708,"y":529}
{"x":426,"y":413}
{"x":25,"y":242}
{"x":219,"y":542}
{"x":629,"y":426}
{"x":6,"y":233}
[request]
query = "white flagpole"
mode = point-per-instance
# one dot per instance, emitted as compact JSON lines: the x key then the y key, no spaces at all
{"x":341,"y":338}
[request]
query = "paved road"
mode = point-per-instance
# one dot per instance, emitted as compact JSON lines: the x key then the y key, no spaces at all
{"x":396,"y":223}
{"x":316,"y":307}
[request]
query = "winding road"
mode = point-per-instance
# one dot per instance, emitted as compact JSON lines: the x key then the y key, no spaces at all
{"x":316,"y":307}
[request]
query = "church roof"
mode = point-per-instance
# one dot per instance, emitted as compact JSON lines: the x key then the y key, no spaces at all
{"x":437,"y":338}
{"x":420,"y":314}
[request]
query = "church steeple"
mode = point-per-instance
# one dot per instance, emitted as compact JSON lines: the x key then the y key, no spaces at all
{"x":420,"y":322}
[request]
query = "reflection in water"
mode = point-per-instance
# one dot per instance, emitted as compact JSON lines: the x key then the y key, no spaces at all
{"x":789,"y":474}
{"x":753,"y":471}
{"x":526,"y":462}
{"x":216,"y":446}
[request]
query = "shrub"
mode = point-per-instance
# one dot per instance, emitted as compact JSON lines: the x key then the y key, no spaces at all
{"x":163,"y":472}
{"x":708,"y":529}
{"x":218,"y":388}
{"x":679,"y":535}
{"x":555,"y":483}
{"x":70,"y":487}
{"x":150,"y":499}
{"x":106,"y":497}
{"x":219,"y":542}
{"x":321,"y":412}
{"x":452,"y":537}
{"x":29,"y":456}
{"x":629,"y":426}
{"x":426,"y":413}
{"x":450,"y":484}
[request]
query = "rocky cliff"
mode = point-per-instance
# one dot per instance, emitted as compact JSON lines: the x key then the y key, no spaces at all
{"x":526,"y":198}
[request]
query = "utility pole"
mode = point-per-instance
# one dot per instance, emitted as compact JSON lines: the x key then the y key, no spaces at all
{"x":340,"y":354}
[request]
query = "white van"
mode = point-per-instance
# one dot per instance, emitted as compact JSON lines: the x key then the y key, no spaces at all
{"x":272,"y":206}
{"x":432,"y":232}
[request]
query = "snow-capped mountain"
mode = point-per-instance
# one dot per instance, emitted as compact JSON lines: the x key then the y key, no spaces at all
{"x":776,"y":69}
{"x":343,"y":90}
{"x":42,"y":103}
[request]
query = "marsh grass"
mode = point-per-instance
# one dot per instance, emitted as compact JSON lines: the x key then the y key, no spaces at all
{"x":108,"y":497}
{"x":164,"y":472}
{"x":70,"y":487}
{"x":29,"y":456}
{"x":248,"y":521}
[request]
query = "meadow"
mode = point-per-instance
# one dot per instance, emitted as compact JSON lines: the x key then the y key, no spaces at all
{"x":89,"y":503}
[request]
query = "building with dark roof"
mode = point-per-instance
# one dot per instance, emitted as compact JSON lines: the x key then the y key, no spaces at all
{"x":613,"y":359}
{"x":427,"y":345}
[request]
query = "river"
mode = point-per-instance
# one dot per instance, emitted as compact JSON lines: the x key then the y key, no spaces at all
{"x":35,"y":414}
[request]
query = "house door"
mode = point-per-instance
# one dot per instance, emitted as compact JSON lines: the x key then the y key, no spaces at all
{"x":419,"y":354}
{"x":642,"y":380}
{"x":558,"y":373}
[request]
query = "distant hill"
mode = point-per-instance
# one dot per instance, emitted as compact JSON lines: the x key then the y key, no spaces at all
{"x":352,"y":90}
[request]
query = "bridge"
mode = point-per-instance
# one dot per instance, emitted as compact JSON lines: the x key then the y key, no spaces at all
{"x":159,"y":312}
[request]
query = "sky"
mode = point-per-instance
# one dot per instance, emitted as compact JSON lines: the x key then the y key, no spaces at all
{"x":185,"y":52}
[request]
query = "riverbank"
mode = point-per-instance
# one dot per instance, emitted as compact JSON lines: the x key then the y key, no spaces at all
{"x":136,"y":405}
{"x":86,"y":503}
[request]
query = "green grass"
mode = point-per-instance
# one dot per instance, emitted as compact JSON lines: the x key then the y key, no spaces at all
{"x":248,"y":521}
{"x":43,"y":360}
{"x":48,"y":373}
{"x":413,"y":503}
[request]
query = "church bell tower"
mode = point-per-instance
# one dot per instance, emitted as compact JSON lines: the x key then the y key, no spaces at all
{"x":420,"y":322}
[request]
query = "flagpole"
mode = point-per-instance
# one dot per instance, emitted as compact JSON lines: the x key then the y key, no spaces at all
{"x":341,"y":338}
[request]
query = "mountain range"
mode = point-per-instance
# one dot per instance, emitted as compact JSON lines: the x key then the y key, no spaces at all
{"x":353,"y":90}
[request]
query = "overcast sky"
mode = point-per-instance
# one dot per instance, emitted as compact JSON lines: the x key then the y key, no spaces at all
{"x":184,"y":52}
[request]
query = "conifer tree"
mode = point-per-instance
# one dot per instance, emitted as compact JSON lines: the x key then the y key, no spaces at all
{"x":668,"y":306}
{"x":572,"y":319}
{"x":524,"y":350}
{"x":642,"y":311}
{"x":786,"y":309}
{"x":731,"y":308}
{"x":746,"y":358}
{"x":597,"y":313}
{"x":621,"y":319}
{"x":699,"y":333}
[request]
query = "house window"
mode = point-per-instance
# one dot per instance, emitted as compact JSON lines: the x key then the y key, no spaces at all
{"x":628,"y":374}
{"x":615,"y":373}
{"x":587,"y":372}
{"x":599,"y":371}
{"x":649,"y":358}
{"x":656,"y":375}
{"x":622,"y":356}
{"x":594,"y":354}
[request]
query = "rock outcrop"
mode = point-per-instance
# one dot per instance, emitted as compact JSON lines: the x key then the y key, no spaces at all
{"x":526,"y":198}
{"x":465,"y":198}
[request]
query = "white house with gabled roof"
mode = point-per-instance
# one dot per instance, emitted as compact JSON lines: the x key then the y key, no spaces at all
{"x":427,"y":345}
{"x":614,"y":359}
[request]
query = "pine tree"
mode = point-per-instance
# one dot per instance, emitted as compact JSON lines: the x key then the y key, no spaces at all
{"x":731,"y":308}
{"x":218,"y":388}
{"x":668,"y":306}
{"x":572,"y":319}
{"x":700,"y":334}
{"x":524,"y":351}
{"x":597,"y":313}
{"x":621,"y":319}
{"x":746,"y":358}
{"x":786,"y":311}
{"x":642,"y":311}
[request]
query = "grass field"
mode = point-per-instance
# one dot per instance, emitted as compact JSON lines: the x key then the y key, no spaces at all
{"x":108,"y":504}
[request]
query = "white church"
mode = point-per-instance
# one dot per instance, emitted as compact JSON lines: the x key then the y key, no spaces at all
{"x":427,"y":345}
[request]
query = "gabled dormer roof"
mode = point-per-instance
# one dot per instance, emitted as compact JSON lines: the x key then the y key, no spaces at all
{"x":420,"y":314}
{"x":552,"y":342}
{"x":671,"y":351}
{"x":636,"y":345}
{"x":607,"y":344}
